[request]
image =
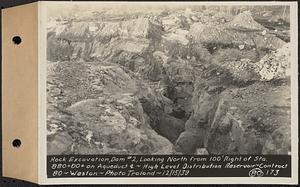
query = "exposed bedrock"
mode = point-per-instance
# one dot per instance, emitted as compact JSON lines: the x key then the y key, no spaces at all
{"x":237,"y":121}
{"x":227,"y":101}
{"x":190,"y":83}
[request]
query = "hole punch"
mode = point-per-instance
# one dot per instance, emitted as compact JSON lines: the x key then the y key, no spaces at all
{"x":16,"y":40}
{"x":16,"y":143}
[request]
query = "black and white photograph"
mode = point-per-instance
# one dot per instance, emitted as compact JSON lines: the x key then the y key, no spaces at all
{"x":168,"y":79}
{"x":139,"y":92}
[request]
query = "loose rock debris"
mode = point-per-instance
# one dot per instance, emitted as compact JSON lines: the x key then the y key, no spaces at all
{"x":175,"y":82}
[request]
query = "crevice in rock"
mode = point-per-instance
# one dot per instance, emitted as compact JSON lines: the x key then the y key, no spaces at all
{"x":198,"y":85}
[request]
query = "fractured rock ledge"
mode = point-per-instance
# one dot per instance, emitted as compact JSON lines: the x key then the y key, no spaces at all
{"x":190,"y":81}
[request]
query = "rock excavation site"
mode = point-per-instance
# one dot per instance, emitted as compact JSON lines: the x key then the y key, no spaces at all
{"x":199,"y":80}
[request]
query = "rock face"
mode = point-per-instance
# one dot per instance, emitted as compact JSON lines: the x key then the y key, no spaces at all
{"x":246,"y":122}
{"x":102,"y":40}
{"x":159,"y":109}
{"x":235,"y":121}
{"x":184,"y":82}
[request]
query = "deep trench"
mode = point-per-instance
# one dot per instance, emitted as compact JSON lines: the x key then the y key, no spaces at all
{"x":169,"y":125}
